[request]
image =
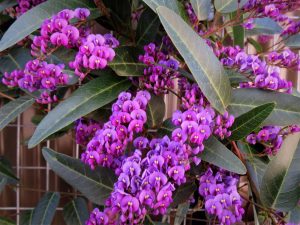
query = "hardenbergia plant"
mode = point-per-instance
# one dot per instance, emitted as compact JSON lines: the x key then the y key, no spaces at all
{"x":231,"y":147}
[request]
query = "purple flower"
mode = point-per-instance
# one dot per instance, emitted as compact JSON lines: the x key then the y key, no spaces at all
{"x":81,"y":13}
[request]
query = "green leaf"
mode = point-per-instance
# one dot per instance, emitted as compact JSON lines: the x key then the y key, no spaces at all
{"x":217,"y":154}
{"x":155,"y":111}
{"x":7,"y":4}
{"x":5,"y":221}
{"x":265,"y":26}
{"x":183,"y":193}
{"x":181,"y":212}
{"x":235,"y":77}
{"x":3,"y":182}
{"x":15,"y":59}
{"x":76,"y":212}
{"x":84,"y":100}
{"x":11,"y":110}
{"x":171,"y":4}
{"x":26,"y":217}
{"x":293,"y":41}
{"x":294,"y":215}
{"x":206,"y":68}
{"x":286,"y":111}
{"x":255,"y":44}
{"x":32,"y":19}
{"x":202,"y":8}
{"x":7,"y":172}
{"x":280,"y":187}
{"x":228,"y":6}
{"x":147,"y":27}
{"x":256,"y":166}
{"x":125,"y":64}
{"x":238,"y":31}
{"x":166,"y":128}
{"x":96,"y":184}
{"x":248,"y":122}
{"x":44,"y":212}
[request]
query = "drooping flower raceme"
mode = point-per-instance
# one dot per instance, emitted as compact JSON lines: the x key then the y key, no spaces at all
{"x":219,"y":190}
{"x":127,"y":119}
{"x":94,"y":53}
{"x":85,"y":130}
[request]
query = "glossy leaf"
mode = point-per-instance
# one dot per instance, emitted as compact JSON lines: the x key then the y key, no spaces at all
{"x":125,"y":64}
{"x":258,"y":47}
{"x":228,"y":6}
{"x":202,"y":8}
{"x":235,"y":78}
{"x":15,"y":59}
{"x":286,"y":111}
{"x":147,"y":27}
{"x":96,"y":184}
{"x":171,"y":4}
{"x":256,"y":166}
{"x":76,"y":212}
{"x":238,"y":31}
{"x":6,"y":171}
{"x":44,"y":212}
{"x":84,"y":100}
{"x":155,"y":111}
{"x":217,"y":154}
{"x":181,"y":212}
{"x":6,"y":221}
{"x":206,"y":68}
{"x":11,"y":110}
{"x":294,"y":215}
{"x":265,"y":26}
{"x":280,"y":184}
{"x":293,"y":41}
{"x":183,"y":193}
{"x":248,"y":122}
{"x":33,"y":18}
{"x":3,"y":182}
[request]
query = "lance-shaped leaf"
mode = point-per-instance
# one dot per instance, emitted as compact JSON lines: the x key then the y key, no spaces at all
{"x":264,"y":26}
{"x":3,"y":182}
{"x":286,"y":111}
{"x":26,"y":217}
{"x":216,"y":153}
{"x":7,"y":4}
{"x":86,"y":99}
{"x":206,"y":68}
{"x":147,"y":27}
{"x":248,"y":122}
{"x":11,"y":110}
{"x":183,"y":193}
{"x":228,"y":6}
{"x":202,"y":8}
{"x":293,"y":41}
{"x":294,"y":215}
{"x":171,"y":4}
{"x":256,"y":165}
{"x":76,"y":212}
{"x":96,"y":184}
{"x":6,"y":221}
{"x":155,"y":111}
{"x":44,"y":212}
{"x":166,"y":128}
{"x":6,"y":171}
{"x":125,"y":63}
{"x":280,"y":187}
{"x":238,"y":30}
{"x":33,"y":18}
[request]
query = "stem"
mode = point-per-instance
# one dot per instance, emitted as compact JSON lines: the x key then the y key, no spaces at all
{"x":7,"y":96}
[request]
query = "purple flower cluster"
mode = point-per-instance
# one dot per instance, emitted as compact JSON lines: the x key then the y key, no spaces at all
{"x":219,"y":190}
{"x":85,"y":130}
{"x":271,"y":137}
{"x":94,"y":53}
{"x":160,"y":71}
{"x":145,"y":185}
{"x":261,"y":74}
{"x":286,"y":58}
{"x":58,"y":31}
{"x":38,"y":75}
{"x":25,"y":5}
{"x":109,"y":143}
